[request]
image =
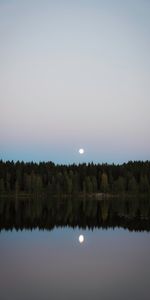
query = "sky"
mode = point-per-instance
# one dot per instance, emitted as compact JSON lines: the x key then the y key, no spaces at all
{"x":75,"y":74}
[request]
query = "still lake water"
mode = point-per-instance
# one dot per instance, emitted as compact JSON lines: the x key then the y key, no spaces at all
{"x":109,"y":264}
{"x":41,"y":256}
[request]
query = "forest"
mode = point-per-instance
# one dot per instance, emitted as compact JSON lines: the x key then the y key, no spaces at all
{"x":46,"y":177}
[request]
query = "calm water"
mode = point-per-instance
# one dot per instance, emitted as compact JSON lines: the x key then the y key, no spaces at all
{"x":112,"y":263}
{"x":109,"y":264}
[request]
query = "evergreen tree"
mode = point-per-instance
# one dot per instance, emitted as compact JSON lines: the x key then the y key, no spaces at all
{"x":2,"y":186}
{"x":104,"y":183}
{"x":132,"y":185}
{"x":88,"y":185}
{"x":144,"y":184}
{"x":119,"y":185}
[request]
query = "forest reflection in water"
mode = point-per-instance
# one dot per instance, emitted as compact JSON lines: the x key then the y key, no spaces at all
{"x":48,"y":212}
{"x":79,"y":259}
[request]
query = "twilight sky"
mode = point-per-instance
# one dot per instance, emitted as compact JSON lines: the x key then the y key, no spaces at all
{"x":75,"y":74}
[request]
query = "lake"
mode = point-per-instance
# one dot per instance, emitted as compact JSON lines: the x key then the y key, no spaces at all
{"x":41,"y":256}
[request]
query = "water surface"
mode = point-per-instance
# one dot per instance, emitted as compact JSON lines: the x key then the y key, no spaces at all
{"x":109,"y":264}
{"x":41,"y":257}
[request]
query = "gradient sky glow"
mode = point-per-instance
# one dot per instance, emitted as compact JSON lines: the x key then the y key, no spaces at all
{"x":75,"y":74}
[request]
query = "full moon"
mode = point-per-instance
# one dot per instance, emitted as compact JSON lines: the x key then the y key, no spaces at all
{"x":81,"y":150}
{"x":81,"y":238}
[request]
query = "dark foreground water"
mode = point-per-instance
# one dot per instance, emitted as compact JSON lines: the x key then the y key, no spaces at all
{"x":110,"y":264}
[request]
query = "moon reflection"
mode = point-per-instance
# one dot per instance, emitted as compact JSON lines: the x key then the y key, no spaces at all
{"x":81,"y":238}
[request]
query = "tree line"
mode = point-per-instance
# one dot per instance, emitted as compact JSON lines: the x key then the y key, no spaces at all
{"x":21,"y":177}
